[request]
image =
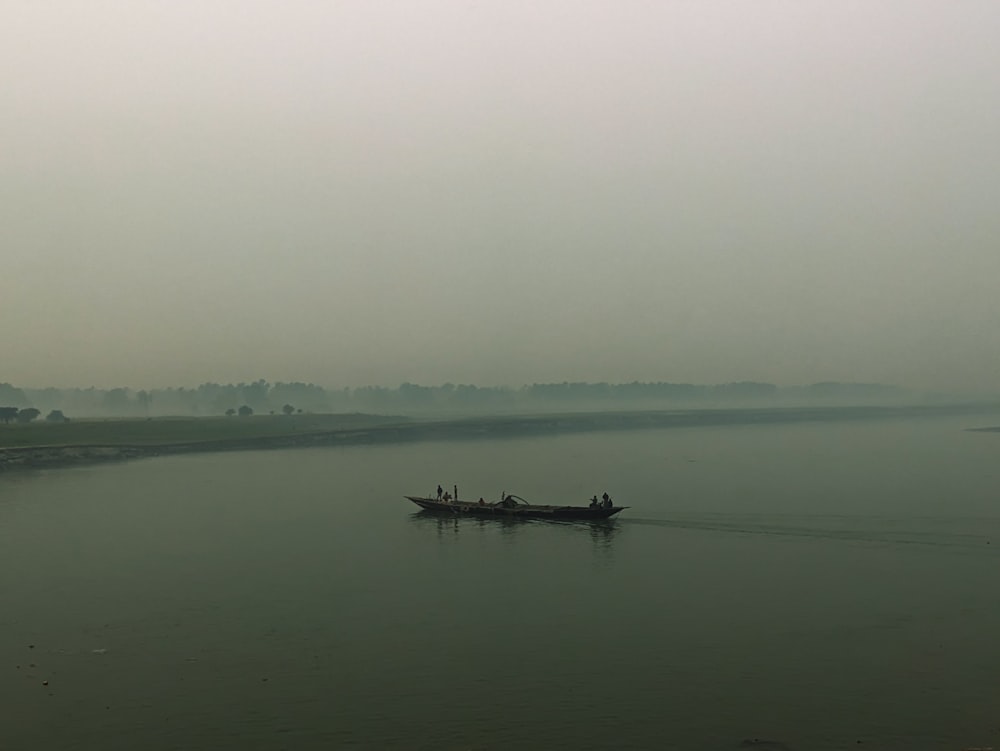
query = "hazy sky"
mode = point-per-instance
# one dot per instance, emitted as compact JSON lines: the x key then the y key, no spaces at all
{"x":499,"y":192}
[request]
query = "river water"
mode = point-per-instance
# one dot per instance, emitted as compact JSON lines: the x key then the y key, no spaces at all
{"x":816,"y":586}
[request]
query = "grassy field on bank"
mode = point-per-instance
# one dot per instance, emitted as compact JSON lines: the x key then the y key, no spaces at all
{"x":161,"y":431}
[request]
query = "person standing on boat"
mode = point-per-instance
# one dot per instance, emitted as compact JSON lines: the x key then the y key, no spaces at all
{"x":607,"y":500}
{"x":456,"y":492}
{"x":440,"y":491}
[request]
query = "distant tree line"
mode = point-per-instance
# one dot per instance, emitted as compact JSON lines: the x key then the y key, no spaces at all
{"x":261,"y":397}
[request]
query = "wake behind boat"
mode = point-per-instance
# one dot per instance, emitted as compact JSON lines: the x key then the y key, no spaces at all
{"x":512,"y":506}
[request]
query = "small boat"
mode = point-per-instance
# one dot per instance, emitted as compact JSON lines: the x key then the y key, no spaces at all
{"x":513,"y":506}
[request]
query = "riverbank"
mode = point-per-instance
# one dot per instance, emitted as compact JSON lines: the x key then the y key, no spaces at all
{"x":42,"y":446}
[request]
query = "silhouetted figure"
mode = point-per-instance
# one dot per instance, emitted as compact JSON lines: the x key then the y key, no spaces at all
{"x":456,"y":492}
{"x":440,"y":491}
{"x":593,"y":502}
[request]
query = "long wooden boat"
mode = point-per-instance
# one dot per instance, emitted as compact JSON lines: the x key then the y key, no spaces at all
{"x":514,"y":507}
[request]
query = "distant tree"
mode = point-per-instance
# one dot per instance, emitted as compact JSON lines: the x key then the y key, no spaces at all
{"x":375,"y":397}
{"x":306,"y":395}
{"x":256,"y":394}
{"x":7,"y":414}
{"x":214,"y":398}
{"x":28,"y":414}
{"x":288,"y":409}
{"x":412,"y":394}
{"x":230,"y":412}
{"x":116,"y":401}
{"x":298,"y":411}
{"x":145,"y":399}
{"x":245,"y":411}
{"x":55,"y":415}
{"x":13,"y":395}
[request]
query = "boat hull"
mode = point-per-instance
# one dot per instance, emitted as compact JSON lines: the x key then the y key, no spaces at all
{"x":465,"y":508}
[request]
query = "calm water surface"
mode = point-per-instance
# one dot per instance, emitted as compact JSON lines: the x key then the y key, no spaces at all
{"x":814,"y":585}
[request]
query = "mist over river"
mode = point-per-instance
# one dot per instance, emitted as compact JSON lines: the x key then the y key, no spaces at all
{"x":812,"y":585}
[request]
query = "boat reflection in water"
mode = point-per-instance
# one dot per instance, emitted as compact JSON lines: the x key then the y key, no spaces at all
{"x":602,"y":532}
